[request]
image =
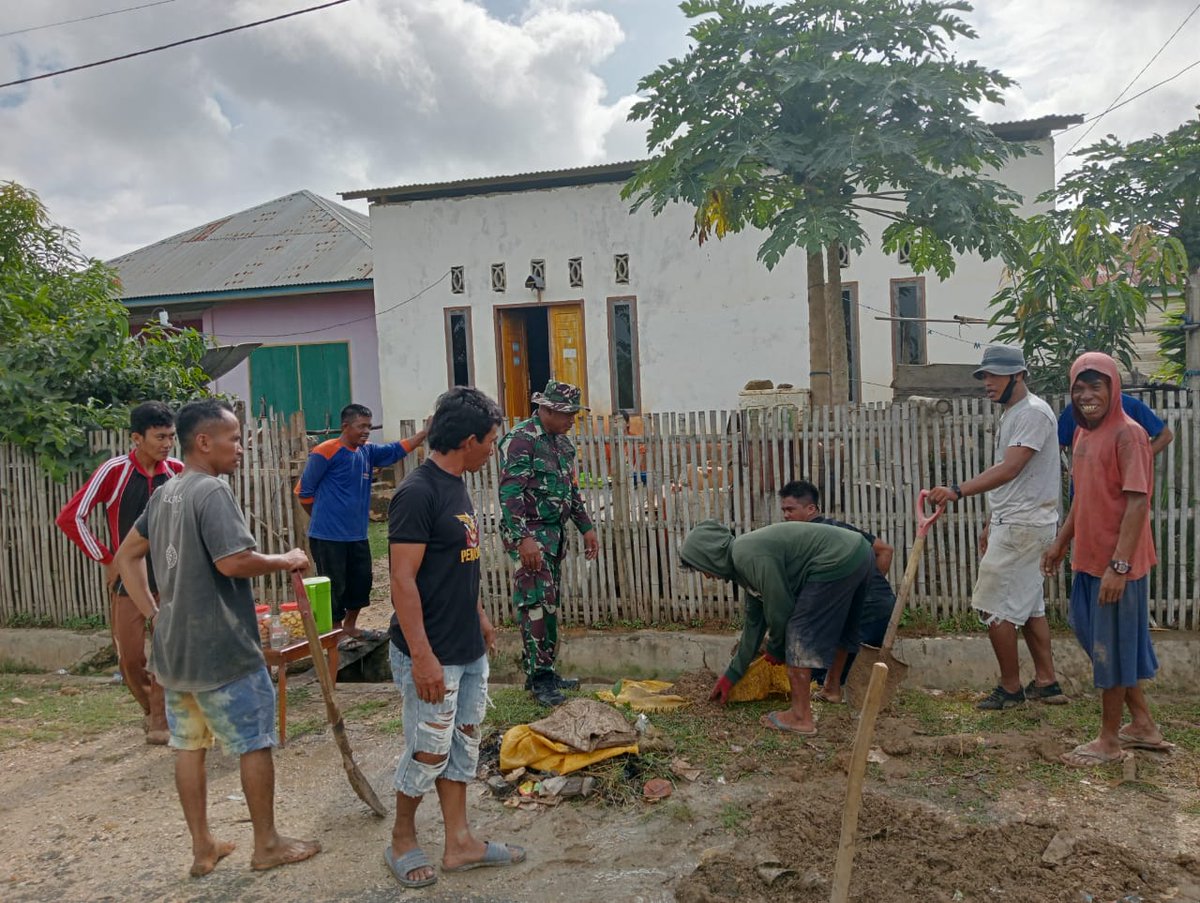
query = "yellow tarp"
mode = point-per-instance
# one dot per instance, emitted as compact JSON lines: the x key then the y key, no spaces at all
{"x":523,"y":746}
{"x":762,"y":679}
{"x":644,"y":695}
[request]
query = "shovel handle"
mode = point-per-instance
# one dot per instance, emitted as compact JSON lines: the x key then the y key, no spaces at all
{"x":925,"y":521}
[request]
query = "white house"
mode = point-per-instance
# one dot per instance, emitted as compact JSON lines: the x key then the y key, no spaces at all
{"x":632,"y":309}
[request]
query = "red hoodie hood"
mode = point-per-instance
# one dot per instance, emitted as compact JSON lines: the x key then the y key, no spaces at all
{"x":1101,"y":363}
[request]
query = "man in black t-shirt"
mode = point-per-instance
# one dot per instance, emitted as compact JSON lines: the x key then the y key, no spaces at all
{"x":440,"y":638}
{"x":800,"y":500}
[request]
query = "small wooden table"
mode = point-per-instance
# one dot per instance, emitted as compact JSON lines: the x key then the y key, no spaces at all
{"x":279,"y":658}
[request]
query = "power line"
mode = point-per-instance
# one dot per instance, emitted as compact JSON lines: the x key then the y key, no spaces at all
{"x":1141,"y":72}
{"x":112,"y":12}
{"x":374,"y":316}
{"x":213,"y":34}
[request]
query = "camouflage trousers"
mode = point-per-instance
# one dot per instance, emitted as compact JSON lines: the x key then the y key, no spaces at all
{"x":535,"y":596}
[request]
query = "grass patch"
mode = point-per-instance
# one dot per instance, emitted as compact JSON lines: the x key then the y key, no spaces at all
{"x":297,"y":695}
{"x":391,"y":726}
{"x":365,"y":708}
{"x":8,"y":666}
{"x":84,"y":624}
{"x":512,"y":705}
{"x":23,"y":619}
{"x":54,"y":711}
{"x":733,"y":818}
{"x":377,"y":536}
{"x":302,"y":726}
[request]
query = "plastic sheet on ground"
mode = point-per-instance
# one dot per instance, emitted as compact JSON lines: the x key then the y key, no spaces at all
{"x":644,"y":695}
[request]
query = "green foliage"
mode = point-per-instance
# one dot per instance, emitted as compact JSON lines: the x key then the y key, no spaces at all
{"x":68,"y":363}
{"x":799,"y":118}
{"x":1078,"y":284}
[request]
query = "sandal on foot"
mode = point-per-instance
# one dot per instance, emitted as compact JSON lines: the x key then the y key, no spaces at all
{"x":1082,"y":757}
{"x":408,"y":862}
{"x":495,"y":854}
{"x":371,"y":636}
{"x":771,"y":720}
{"x":821,"y":697}
{"x":1132,"y":741}
{"x":349,"y":644}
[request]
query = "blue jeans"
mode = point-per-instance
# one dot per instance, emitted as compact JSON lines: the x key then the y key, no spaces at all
{"x":241,"y":714}
{"x":436,"y":728}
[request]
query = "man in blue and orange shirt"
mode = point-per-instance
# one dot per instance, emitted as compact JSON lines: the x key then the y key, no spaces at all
{"x":124,"y":485}
{"x":336,"y":490}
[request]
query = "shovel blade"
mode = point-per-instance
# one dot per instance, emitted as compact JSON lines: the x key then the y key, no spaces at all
{"x":859,"y":677}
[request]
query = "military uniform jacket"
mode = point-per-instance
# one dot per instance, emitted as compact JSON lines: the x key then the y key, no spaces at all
{"x":538,"y":489}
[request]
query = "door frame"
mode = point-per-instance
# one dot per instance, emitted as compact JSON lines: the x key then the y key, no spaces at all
{"x":496,"y":311}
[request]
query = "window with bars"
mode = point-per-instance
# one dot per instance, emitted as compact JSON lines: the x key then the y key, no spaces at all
{"x":460,"y":361}
{"x":575,"y":272}
{"x":621,"y":269}
{"x":458,"y":282}
{"x":499,"y":280}
{"x":624,"y":371}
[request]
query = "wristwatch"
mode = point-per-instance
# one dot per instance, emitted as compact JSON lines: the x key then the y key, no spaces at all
{"x":956,"y":490}
{"x":1120,"y":567}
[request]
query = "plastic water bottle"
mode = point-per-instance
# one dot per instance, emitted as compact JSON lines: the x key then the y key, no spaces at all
{"x":279,"y":634}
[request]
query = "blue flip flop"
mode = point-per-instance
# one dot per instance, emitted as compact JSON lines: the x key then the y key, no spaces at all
{"x":496,"y":854}
{"x":408,"y":862}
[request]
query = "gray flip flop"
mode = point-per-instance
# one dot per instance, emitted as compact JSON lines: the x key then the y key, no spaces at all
{"x":496,"y":854}
{"x":410,"y":861}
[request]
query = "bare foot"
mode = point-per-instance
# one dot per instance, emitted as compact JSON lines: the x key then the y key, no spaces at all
{"x":788,"y":723}
{"x":206,"y":860}
{"x":284,"y":851}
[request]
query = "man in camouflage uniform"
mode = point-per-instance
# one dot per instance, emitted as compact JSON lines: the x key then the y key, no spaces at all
{"x":538,"y":495}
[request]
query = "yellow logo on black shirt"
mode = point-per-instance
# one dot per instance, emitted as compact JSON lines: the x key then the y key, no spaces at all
{"x":471,"y":552}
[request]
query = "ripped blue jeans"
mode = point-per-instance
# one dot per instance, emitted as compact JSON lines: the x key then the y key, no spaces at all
{"x":435,"y":728}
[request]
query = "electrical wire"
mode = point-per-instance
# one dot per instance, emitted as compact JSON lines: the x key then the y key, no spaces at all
{"x":136,"y":53}
{"x":373,"y":316}
{"x":1132,"y":81}
{"x":111,"y":12}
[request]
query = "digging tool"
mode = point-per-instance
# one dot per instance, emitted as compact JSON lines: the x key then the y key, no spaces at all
{"x":860,"y":673}
{"x":854,"y":783}
{"x":357,"y":779}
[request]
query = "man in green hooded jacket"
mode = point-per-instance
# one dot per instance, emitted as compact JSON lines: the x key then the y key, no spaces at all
{"x":804,"y":585}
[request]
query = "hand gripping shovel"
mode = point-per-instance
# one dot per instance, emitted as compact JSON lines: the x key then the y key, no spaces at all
{"x":357,"y":780}
{"x":860,"y":674}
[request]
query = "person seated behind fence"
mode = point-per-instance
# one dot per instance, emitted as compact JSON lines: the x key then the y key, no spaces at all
{"x":800,"y":502}
{"x":805,"y":589}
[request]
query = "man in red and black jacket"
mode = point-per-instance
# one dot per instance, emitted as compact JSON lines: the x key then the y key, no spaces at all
{"x":124,"y":485}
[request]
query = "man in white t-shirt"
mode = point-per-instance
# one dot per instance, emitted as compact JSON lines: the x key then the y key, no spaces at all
{"x":1023,"y":490}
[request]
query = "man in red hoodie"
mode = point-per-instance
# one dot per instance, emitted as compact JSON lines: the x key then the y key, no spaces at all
{"x":1112,"y":551}
{"x":123,"y":485}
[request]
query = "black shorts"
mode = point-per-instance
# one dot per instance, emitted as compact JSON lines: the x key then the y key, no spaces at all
{"x":826,"y":618}
{"x":348,"y":567}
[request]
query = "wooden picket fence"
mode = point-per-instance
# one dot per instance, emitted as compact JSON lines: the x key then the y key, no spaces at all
{"x":645,"y":492}
{"x":646,"y":484}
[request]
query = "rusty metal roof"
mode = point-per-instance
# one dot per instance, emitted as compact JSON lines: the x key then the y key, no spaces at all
{"x":1017,"y":130}
{"x":296,"y":240}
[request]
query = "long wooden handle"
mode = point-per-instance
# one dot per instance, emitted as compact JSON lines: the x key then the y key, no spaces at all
{"x":906,"y":587}
{"x":854,"y":784}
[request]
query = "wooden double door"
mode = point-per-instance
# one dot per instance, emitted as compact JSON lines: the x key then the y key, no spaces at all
{"x":537,"y":343}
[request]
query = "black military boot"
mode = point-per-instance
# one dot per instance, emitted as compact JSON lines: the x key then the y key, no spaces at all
{"x":560,"y":682}
{"x":544,"y":690}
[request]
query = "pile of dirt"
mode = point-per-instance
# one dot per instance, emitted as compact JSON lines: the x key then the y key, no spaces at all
{"x":909,"y":853}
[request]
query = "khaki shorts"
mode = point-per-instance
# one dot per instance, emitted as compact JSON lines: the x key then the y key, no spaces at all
{"x":1010,"y":585}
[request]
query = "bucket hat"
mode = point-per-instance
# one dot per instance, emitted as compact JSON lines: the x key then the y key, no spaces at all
{"x":1001,"y":360}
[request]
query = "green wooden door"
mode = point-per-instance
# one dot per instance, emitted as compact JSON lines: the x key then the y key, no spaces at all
{"x":274,"y":380}
{"x":314,"y":379}
{"x":324,"y":385}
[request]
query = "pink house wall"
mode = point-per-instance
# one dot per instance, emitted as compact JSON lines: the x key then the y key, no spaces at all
{"x":299,"y":320}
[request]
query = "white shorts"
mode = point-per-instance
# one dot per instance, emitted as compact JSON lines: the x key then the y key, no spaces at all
{"x":1010,"y":585}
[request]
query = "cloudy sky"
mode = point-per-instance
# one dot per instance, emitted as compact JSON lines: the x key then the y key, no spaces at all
{"x":385,"y":92}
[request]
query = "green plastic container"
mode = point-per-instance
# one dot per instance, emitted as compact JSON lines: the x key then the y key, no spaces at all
{"x":320,"y":595}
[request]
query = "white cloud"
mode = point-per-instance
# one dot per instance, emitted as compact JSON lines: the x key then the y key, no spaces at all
{"x":384,"y":92}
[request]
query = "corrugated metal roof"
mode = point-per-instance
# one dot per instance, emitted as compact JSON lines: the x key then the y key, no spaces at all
{"x":299,"y":239}
{"x":1016,"y":130}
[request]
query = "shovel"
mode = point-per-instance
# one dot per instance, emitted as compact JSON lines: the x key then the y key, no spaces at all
{"x":860,"y":674}
{"x":357,"y":779}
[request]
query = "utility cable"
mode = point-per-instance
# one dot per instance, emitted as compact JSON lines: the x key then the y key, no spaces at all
{"x":213,"y":34}
{"x":111,"y":12}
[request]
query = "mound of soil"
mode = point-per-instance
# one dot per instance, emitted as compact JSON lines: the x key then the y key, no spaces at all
{"x":908,"y":853}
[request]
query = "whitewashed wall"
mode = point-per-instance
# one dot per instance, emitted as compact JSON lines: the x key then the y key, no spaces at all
{"x":709,"y":318}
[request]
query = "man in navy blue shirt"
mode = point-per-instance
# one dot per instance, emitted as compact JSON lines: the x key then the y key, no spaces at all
{"x":335,"y":488}
{"x":1160,"y":435}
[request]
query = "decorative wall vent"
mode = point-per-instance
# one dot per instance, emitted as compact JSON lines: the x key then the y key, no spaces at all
{"x":537,"y":269}
{"x":843,"y":256}
{"x":904,"y":253}
{"x":499,"y":280}
{"x":575,"y":272}
{"x":621,"y":269}
{"x":458,"y":283}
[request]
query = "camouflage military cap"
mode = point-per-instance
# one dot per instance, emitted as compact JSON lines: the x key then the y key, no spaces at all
{"x":562,"y":397}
